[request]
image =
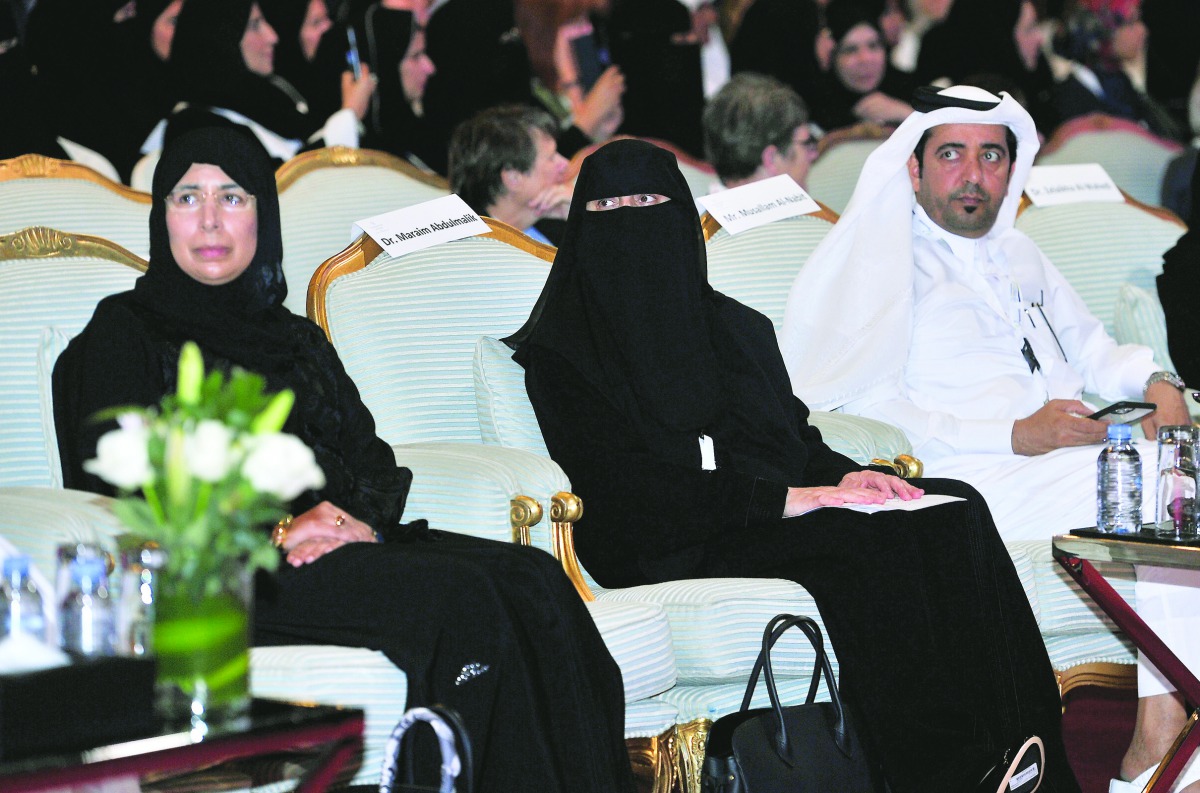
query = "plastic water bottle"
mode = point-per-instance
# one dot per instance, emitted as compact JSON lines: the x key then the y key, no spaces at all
{"x":1119,"y":483}
{"x":22,"y":601}
{"x":86,"y":617}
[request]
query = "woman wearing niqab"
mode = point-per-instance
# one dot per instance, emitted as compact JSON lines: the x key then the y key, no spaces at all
{"x":540,"y":696}
{"x":635,"y":365}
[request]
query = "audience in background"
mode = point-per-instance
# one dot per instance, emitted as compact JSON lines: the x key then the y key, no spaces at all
{"x":223,"y":67}
{"x":779,"y":38}
{"x":755,"y":128}
{"x":922,"y":15}
{"x":860,"y":85}
{"x":1106,"y":42}
{"x":504,"y":164}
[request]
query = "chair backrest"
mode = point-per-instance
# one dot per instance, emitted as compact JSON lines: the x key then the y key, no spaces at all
{"x":834,"y":174}
{"x":406,"y":327}
{"x":1134,"y":158}
{"x":50,"y":283}
{"x":42,"y":191}
{"x":1099,"y":247}
{"x":700,"y":176}
{"x":323,"y":192}
{"x":757,"y":267}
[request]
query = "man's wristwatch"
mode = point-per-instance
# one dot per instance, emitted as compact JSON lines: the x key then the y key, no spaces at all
{"x":1165,"y":377}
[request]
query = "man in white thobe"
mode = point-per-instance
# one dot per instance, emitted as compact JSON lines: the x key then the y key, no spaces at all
{"x":970,"y":341}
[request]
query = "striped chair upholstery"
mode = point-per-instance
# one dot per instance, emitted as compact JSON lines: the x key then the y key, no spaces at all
{"x":1134,"y":158}
{"x":1139,"y":319}
{"x":41,"y":191}
{"x":50,"y":283}
{"x":834,"y":173}
{"x":405,"y":329}
{"x":323,"y":192}
{"x":1099,"y":247}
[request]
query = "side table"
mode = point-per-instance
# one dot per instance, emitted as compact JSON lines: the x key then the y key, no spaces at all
{"x":1076,"y":552}
{"x":271,"y":727}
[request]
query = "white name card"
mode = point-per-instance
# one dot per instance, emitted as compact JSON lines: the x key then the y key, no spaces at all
{"x":1051,"y":185}
{"x":759,"y":203}
{"x":424,"y":225}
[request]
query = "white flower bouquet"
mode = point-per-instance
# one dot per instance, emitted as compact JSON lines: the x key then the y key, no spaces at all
{"x":213,"y":470}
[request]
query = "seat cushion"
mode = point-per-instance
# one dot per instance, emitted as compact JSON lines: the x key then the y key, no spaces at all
{"x":638,"y":637}
{"x":717,"y":624}
{"x":506,"y":417}
{"x":1139,"y":319}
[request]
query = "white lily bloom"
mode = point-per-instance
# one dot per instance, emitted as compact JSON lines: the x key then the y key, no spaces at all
{"x":282,"y":465}
{"x":121,"y":456}
{"x":209,"y":451}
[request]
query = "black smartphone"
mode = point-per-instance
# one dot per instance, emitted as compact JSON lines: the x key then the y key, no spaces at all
{"x":591,"y":60}
{"x":1124,"y":412}
{"x":353,"y":60}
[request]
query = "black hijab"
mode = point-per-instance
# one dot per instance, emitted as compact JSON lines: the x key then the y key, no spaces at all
{"x":319,"y":80}
{"x":208,"y":70}
{"x":1177,"y":287}
{"x":243,"y":320}
{"x":629,"y":305}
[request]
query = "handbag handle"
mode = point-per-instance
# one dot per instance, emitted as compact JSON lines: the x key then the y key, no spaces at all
{"x":776,"y":628}
{"x":453,"y":741}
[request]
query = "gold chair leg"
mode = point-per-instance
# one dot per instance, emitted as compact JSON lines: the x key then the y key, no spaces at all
{"x":655,"y":762}
{"x":693,"y":738}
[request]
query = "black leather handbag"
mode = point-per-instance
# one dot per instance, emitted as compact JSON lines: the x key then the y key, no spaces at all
{"x":809,"y":748}
{"x":453,"y":742}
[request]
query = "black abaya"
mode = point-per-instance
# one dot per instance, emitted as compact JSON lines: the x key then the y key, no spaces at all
{"x":1177,"y":288}
{"x":547,"y":714}
{"x":631,"y":356}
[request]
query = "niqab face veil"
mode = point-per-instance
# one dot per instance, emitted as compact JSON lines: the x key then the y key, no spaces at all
{"x":625,"y":300}
{"x":629,"y":306}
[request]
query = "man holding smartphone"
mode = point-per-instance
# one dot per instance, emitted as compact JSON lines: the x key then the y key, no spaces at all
{"x":925,"y":308}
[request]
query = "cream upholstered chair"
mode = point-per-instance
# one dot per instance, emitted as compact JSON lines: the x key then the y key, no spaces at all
{"x":50,"y":282}
{"x":323,"y":192}
{"x":42,"y":191}
{"x":1135,"y":158}
{"x":405,"y":329}
{"x":699,"y":175}
{"x":841,"y":154}
{"x":1100,"y":247}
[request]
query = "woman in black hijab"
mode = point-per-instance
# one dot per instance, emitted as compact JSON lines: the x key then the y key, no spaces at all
{"x":669,"y":407}
{"x":1177,"y":289}
{"x":779,"y":38}
{"x":997,"y":38}
{"x":222,"y":64}
{"x":861,"y":84}
{"x":491,"y":629}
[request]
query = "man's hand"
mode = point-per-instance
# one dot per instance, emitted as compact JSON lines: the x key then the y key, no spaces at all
{"x":1058,"y":423}
{"x":881,"y":108}
{"x":553,"y":202}
{"x":600,"y":112}
{"x":1171,"y":410}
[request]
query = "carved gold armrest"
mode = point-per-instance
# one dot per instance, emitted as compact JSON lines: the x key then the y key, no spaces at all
{"x":523,"y":512}
{"x":905,"y":465}
{"x":565,"y":509}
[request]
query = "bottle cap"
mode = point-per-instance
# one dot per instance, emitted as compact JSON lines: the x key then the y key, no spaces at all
{"x":91,"y":569}
{"x":16,"y":564}
{"x":1120,"y":432}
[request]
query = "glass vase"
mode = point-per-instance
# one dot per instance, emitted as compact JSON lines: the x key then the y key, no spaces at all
{"x":202,"y":642}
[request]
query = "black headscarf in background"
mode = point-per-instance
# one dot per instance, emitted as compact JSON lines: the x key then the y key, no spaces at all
{"x":1177,"y":289}
{"x":629,"y":305}
{"x":34,"y":133}
{"x":92,"y":77}
{"x":832,"y":101}
{"x":318,"y":80}
{"x":977,"y":38}
{"x":208,"y":70}
{"x":778,"y":38}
